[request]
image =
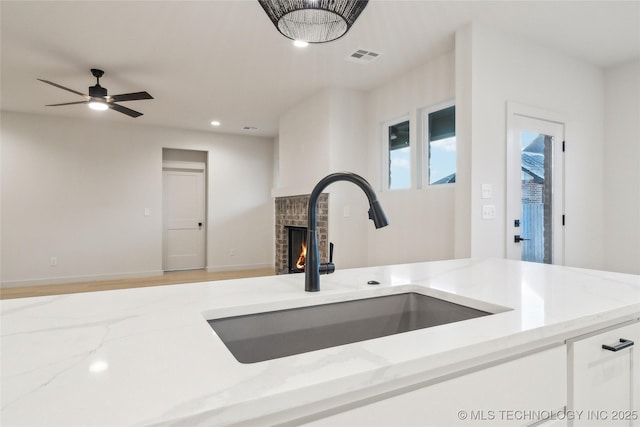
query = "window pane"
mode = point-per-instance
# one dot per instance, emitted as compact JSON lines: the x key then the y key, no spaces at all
{"x":399,"y":169}
{"x":536,"y":200}
{"x":442,"y":146}
{"x":442,"y":161}
{"x":442,"y":124}
{"x":399,"y":156}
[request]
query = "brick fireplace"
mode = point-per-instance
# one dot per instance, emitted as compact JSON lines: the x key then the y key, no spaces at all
{"x":291,"y":212}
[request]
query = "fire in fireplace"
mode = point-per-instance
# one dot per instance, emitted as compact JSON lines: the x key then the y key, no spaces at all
{"x":302,"y":258}
{"x":297,"y":251}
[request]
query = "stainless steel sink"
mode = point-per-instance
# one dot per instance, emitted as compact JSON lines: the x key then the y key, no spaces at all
{"x":269,"y":335}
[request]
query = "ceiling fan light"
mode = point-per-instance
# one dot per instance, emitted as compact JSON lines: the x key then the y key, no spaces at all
{"x":97,"y":105}
{"x":314,"y":21}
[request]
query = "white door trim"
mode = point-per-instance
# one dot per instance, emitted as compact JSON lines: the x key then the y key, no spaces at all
{"x":176,"y":165}
{"x":514,"y":108}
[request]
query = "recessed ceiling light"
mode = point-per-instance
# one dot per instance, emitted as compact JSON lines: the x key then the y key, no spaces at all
{"x":215,"y":123}
{"x":98,"y":366}
{"x":300,"y":43}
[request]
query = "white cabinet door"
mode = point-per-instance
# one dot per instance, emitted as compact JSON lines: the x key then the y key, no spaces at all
{"x":603,"y":383}
{"x":519,"y":392}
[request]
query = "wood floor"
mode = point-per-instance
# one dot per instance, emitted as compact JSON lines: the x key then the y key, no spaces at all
{"x":168,"y":278}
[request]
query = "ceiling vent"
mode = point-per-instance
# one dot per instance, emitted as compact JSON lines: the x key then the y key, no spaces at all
{"x":362,"y":56}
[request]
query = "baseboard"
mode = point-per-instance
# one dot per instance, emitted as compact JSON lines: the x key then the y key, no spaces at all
{"x":73,"y":279}
{"x":223,"y":268}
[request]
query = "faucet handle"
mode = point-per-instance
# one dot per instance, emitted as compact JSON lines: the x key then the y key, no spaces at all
{"x":328,"y":267}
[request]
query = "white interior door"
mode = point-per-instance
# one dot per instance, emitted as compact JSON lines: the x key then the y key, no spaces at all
{"x":535,"y":184}
{"x":183,"y":219}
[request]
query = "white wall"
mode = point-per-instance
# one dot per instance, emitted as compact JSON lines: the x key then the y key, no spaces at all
{"x":421,"y":220}
{"x":322,"y":135}
{"x":77,"y":190}
{"x":506,"y":68}
{"x":463,"y":78}
{"x":345,"y":128}
{"x":622,"y":168}
{"x":303,"y":146}
{"x":348,"y":206}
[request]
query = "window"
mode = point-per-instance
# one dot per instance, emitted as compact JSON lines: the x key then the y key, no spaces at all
{"x":398,"y":155}
{"x":440,"y":141}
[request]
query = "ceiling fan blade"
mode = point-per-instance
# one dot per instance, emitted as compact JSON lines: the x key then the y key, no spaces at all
{"x":67,"y":103}
{"x":124,"y":110}
{"x":62,"y":87}
{"x":131,"y":96}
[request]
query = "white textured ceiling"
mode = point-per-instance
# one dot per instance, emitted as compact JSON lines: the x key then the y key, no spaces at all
{"x":205,"y":60}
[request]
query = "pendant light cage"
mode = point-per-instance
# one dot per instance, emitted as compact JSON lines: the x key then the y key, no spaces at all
{"x":313,"y":21}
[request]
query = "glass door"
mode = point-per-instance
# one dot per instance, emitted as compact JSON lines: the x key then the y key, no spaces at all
{"x":535,"y":190}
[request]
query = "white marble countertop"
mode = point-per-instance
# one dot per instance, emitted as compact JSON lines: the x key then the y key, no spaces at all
{"x":147,"y":356}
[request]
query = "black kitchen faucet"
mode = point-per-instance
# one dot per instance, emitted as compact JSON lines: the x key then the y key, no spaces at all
{"x":376,"y":214}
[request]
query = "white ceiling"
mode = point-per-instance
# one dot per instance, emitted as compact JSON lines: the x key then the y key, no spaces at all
{"x":224,"y":60}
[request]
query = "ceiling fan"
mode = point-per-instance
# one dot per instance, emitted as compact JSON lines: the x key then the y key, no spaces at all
{"x":98,"y":98}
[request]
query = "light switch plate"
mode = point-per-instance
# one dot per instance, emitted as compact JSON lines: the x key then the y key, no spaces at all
{"x":487,"y":191}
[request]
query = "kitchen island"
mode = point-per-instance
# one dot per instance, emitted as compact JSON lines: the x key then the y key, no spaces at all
{"x":147,"y":356}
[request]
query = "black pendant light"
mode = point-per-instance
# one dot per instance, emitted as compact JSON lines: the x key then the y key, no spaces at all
{"x":313,"y":21}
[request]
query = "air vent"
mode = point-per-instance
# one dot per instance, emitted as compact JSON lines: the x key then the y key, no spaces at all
{"x":363,"y":56}
{"x":249,"y":128}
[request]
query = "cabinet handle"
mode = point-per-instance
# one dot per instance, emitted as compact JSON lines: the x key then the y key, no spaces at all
{"x":623,"y":344}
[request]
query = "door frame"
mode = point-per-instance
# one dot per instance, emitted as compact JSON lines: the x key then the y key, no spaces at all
{"x":185,"y":166}
{"x":516,"y":112}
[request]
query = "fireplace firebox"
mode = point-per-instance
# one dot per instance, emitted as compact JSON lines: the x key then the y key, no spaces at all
{"x":297,"y":248}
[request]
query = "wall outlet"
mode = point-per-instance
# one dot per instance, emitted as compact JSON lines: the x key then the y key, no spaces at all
{"x":147,"y":211}
{"x":488,"y":211}
{"x":53,"y":261}
{"x":233,"y":251}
